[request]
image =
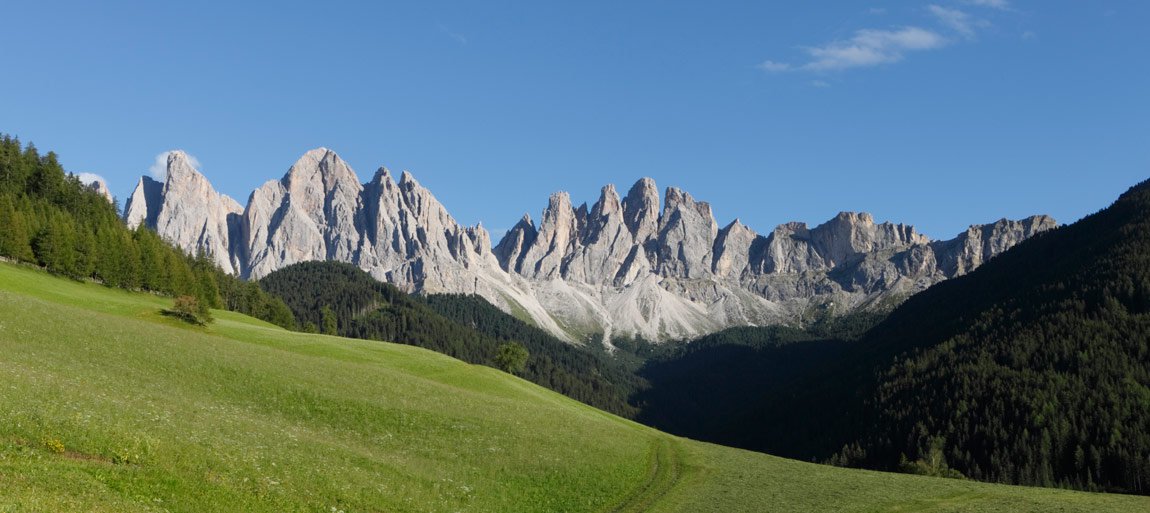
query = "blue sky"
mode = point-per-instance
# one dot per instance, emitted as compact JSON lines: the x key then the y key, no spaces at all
{"x":937,"y":113}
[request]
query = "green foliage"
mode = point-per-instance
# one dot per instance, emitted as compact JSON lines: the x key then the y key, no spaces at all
{"x":190,"y":310}
{"x":512,"y":357}
{"x":55,"y":245}
{"x":705,"y":388}
{"x":15,"y":239}
{"x":328,"y":320}
{"x":933,"y":464}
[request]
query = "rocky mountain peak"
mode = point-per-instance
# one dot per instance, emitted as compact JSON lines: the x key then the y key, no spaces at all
{"x":557,"y":237}
{"x":687,"y":233}
{"x":97,"y":185}
{"x":180,"y":169}
{"x":641,"y":209}
{"x":620,"y":266}
{"x":732,"y":249}
{"x":609,"y":209}
{"x":382,"y":175}
{"x":514,"y":244}
{"x":320,"y":170}
{"x":406,"y":179}
{"x":186,"y":210}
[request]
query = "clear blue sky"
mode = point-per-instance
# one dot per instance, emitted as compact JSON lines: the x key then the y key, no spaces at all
{"x":938,"y":113}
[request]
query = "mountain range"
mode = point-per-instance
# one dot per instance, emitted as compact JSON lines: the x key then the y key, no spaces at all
{"x":626,"y":266}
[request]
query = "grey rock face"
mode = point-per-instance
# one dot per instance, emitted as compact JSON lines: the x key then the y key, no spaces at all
{"x":511,"y":249}
{"x":605,"y":243}
{"x":620,"y":267}
{"x":556,"y":240}
{"x":732,"y":251}
{"x":309,"y":214}
{"x":98,"y":186}
{"x":186,"y":211}
{"x":980,"y":243}
{"x":144,"y":203}
{"x":641,"y":210}
{"x":687,"y":232}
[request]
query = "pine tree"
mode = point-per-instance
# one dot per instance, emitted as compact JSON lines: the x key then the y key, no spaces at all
{"x":14,"y":239}
{"x":86,"y":253}
{"x":55,"y":246}
{"x":153,"y":275}
{"x":328,"y":321}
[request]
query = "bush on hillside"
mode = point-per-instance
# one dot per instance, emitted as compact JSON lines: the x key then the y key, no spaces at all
{"x":190,"y":310}
{"x":512,"y":357}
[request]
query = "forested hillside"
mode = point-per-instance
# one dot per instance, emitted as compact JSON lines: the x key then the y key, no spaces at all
{"x":52,"y":220}
{"x":700,"y":388}
{"x":340,"y":298}
{"x":1034,"y":369}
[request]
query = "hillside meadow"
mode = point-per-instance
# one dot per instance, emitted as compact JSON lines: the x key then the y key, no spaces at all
{"x":106,"y":405}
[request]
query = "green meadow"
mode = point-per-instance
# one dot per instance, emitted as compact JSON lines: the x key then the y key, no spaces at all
{"x":107,"y":405}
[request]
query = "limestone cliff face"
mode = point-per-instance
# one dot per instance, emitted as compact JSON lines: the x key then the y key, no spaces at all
{"x":309,"y":214}
{"x":187,"y":211}
{"x":621,"y":267}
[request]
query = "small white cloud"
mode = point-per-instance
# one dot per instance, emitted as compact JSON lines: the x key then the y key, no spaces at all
{"x":87,"y":178}
{"x":774,"y":67}
{"x":159,"y":168}
{"x":820,"y":83}
{"x":954,"y":19}
{"x":871,"y":47}
{"x":994,"y":4}
{"x":459,"y":38}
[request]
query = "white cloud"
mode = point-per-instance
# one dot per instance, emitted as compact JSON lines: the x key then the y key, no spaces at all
{"x":994,"y":4}
{"x":820,"y":83}
{"x":459,"y":38}
{"x":955,"y":19}
{"x":159,"y":168}
{"x":87,"y":178}
{"x":871,"y":47}
{"x":774,"y":67}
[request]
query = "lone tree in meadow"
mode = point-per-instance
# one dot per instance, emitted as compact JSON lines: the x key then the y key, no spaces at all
{"x":191,"y":310}
{"x":512,"y":357}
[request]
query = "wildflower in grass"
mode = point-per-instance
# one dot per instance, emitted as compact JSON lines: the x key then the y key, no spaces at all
{"x":54,"y":445}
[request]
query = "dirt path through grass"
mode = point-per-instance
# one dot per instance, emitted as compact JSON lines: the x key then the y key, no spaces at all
{"x":664,"y":472}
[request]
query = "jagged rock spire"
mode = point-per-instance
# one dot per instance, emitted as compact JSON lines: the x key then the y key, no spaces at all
{"x":187,"y":211}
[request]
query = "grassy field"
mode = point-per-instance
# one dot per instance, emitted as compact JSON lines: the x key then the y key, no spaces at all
{"x":105,"y":405}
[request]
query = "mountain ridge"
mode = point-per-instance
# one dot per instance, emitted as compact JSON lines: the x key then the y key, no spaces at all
{"x":625,"y":266}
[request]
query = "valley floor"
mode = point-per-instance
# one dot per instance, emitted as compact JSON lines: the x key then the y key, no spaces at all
{"x":105,"y":405}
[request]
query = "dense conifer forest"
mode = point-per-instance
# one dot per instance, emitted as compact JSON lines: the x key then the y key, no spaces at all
{"x":1034,"y":369}
{"x":697,"y":389}
{"x":52,"y":220}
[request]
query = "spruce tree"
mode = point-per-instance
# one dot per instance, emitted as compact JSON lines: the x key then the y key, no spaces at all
{"x":328,"y":321}
{"x":55,"y":246}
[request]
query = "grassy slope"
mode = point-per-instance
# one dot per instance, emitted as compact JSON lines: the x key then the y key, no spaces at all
{"x":243,"y":416}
